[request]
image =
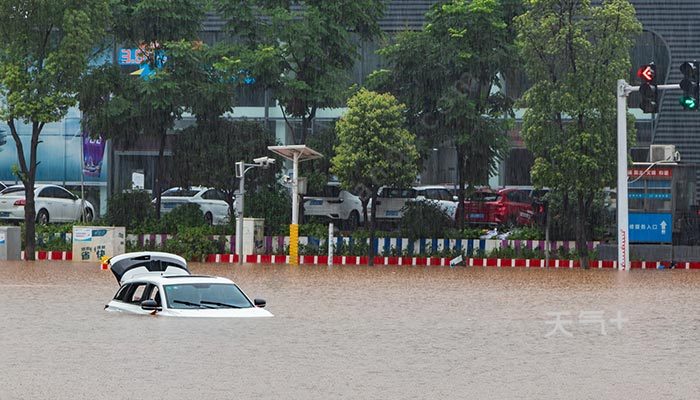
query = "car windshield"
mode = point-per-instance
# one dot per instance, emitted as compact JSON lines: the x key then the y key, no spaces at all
{"x":177,"y":192}
{"x":205,"y":295}
{"x":483,"y":196}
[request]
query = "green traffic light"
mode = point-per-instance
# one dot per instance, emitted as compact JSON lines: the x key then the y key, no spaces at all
{"x":688,"y":102}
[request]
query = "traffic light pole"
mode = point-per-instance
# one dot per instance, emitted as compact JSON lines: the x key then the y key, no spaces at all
{"x":623,"y":240}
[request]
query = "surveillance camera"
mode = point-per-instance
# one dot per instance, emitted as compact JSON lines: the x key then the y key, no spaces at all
{"x":264,"y":161}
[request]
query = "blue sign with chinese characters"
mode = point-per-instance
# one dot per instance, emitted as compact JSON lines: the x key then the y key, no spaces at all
{"x":650,"y":228}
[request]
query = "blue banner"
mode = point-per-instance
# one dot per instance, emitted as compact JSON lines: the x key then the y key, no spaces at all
{"x":650,"y":228}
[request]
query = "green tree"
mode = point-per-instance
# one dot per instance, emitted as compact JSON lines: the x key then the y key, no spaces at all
{"x":574,"y":53}
{"x":206,"y":154}
{"x":184,"y":77}
{"x":44,"y":51}
{"x":302,"y":50}
{"x":448,"y":73}
{"x":374,"y":149}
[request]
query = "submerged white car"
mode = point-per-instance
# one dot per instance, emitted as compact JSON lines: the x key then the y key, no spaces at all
{"x":158,"y":283}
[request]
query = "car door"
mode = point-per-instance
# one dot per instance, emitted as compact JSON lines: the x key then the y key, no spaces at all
{"x":70,"y":203}
{"x":214,"y":201}
{"x":49,"y":198}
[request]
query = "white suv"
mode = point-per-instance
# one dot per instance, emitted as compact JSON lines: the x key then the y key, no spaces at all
{"x":391,"y":202}
{"x":336,"y":204}
{"x":440,"y":196}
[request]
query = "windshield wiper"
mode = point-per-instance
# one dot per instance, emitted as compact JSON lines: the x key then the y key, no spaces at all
{"x":189,"y":303}
{"x":220,"y":304}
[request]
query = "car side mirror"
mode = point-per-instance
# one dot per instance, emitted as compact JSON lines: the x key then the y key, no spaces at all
{"x":420,"y":198}
{"x":150,"y":305}
{"x":259,"y":303}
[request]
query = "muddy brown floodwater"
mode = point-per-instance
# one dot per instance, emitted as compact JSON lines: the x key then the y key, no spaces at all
{"x":359,"y":333}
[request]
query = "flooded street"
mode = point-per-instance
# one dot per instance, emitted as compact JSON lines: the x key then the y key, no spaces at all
{"x":359,"y":333}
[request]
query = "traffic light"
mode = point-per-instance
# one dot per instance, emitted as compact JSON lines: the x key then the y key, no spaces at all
{"x":691,"y":88}
{"x":648,"y":89}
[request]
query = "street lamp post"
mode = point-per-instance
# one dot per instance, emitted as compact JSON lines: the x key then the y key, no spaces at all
{"x":241,"y":169}
{"x":295,"y":153}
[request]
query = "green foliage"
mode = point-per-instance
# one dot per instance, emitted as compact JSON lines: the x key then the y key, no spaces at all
{"x":123,"y":107}
{"x":302,"y":50}
{"x":129,"y":209}
{"x":44,"y":51}
{"x":569,"y":124}
{"x":206,"y":154}
{"x":193,"y":243}
{"x":374,"y":149}
{"x":424,"y":219}
{"x":319,"y":231}
{"x":272,"y":203}
{"x":526,"y":233}
{"x":447,"y":75}
{"x":183,"y":216}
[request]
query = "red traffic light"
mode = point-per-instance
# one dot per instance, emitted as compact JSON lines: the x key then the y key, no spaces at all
{"x":647,"y":72}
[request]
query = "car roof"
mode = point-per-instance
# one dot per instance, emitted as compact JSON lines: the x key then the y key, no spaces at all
{"x":430,"y":187}
{"x":195,"y":188}
{"x":159,"y":279}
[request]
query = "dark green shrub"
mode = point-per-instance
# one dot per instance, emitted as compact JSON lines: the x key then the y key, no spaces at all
{"x":424,"y":219}
{"x":184,"y":216}
{"x":274,"y":205}
{"x":193,"y":243}
{"x":129,"y":209}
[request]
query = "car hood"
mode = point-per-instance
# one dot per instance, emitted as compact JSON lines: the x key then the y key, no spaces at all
{"x":218,"y":313}
{"x":127,"y":266}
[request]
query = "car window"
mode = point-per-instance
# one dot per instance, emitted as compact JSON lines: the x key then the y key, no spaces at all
{"x":46,"y":192}
{"x":205,"y":295}
{"x":13,"y":190}
{"x":398,"y":193}
{"x":513,"y":196}
{"x":178,"y":192}
{"x":483,"y":196}
{"x":63,"y":194}
{"x":122,"y":292}
{"x":138,"y":294}
{"x":213,"y":194}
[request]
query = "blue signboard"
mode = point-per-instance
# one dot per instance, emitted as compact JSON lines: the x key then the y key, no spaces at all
{"x":650,"y":228}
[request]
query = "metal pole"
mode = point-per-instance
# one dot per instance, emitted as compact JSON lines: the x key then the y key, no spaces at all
{"x":330,"y":243}
{"x":82,"y":176}
{"x":240,"y":203}
{"x":623,"y":257}
{"x":295,"y":190}
{"x":294,"y":227}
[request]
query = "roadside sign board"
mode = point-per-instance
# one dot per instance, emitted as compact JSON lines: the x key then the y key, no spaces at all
{"x":650,"y":228}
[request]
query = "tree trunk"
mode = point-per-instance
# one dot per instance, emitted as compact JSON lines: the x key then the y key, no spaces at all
{"x":28,"y":178}
{"x":460,"y":178}
{"x":159,"y":172}
{"x":371,"y":228}
{"x":365,"y":202}
{"x":581,"y":240}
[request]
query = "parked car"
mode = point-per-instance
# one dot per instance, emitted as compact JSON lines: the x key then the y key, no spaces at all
{"x":505,"y":206}
{"x":439,"y":195}
{"x":212,"y":202}
{"x":52,"y":203}
{"x":336,"y":204}
{"x":391,"y":202}
{"x":159,"y":283}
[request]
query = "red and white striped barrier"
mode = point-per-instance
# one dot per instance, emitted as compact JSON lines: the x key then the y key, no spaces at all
{"x":51,"y":255}
{"x":408,"y":261}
